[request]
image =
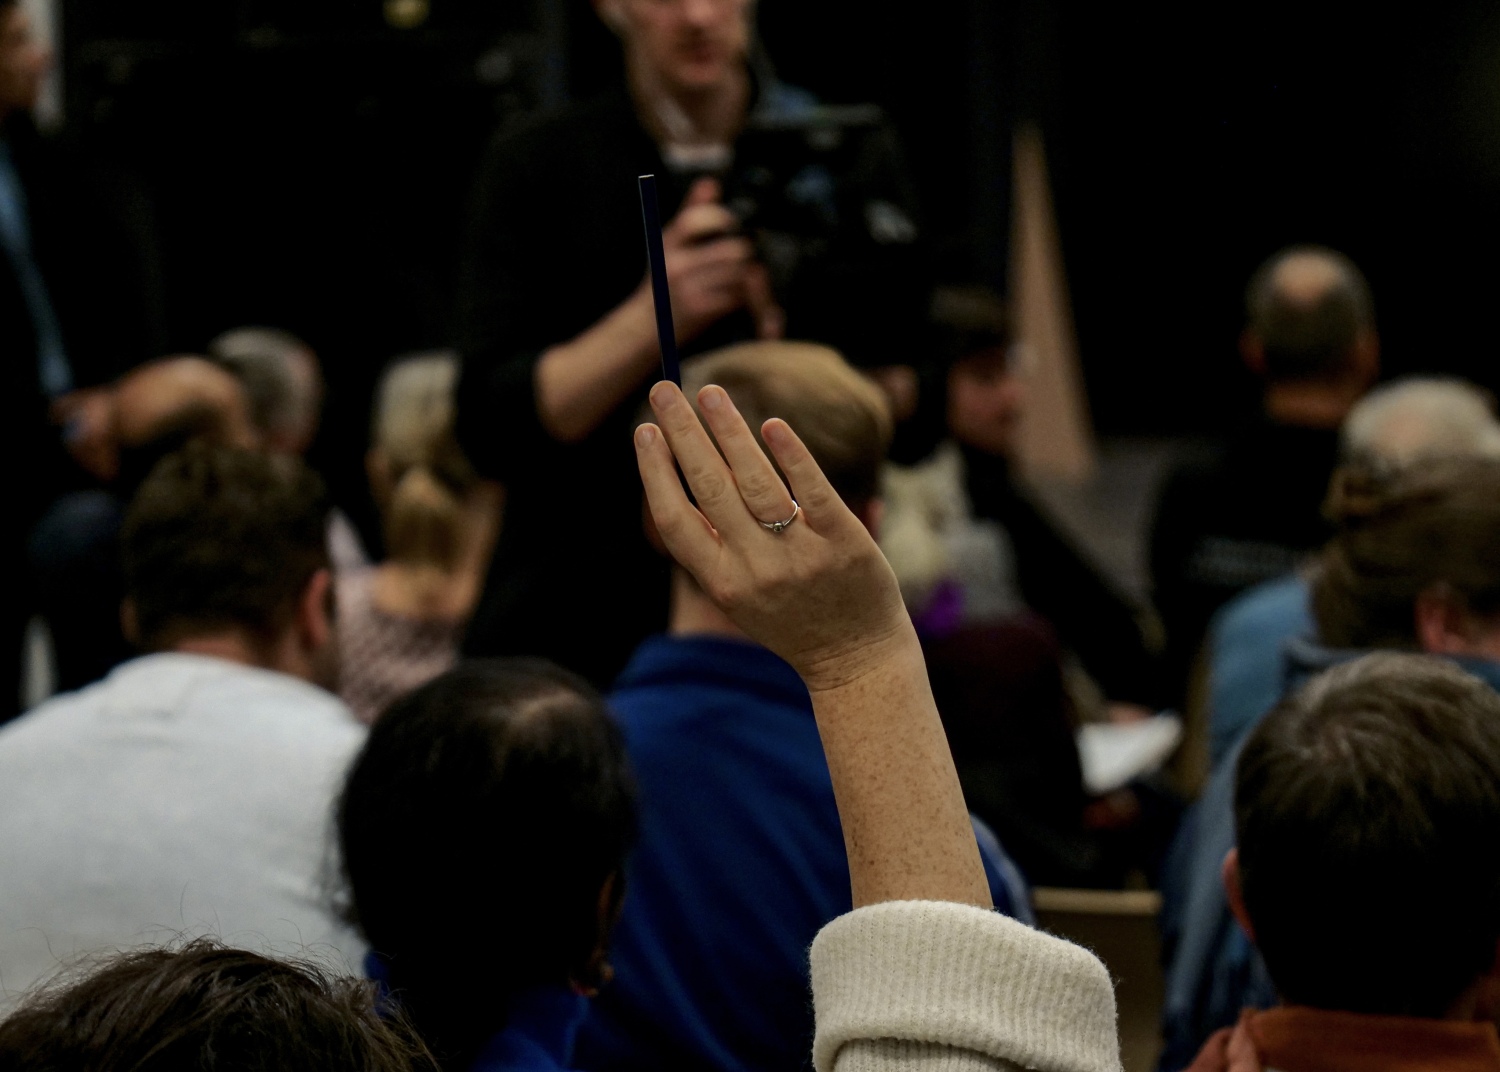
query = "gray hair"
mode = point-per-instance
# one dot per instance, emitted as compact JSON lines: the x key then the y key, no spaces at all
{"x":1420,"y":419}
{"x":281,"y":378}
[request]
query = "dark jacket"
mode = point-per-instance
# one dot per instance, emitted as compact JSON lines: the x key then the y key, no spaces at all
{"x":555,"y":243}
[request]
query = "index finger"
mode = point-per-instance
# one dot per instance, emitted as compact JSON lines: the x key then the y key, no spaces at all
{"x":705,"y":470}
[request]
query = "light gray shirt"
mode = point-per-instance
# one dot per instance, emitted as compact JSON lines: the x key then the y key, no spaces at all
{"x":183,"y":795}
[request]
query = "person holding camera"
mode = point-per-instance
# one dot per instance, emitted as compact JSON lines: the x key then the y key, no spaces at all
{"x":557,"y":329}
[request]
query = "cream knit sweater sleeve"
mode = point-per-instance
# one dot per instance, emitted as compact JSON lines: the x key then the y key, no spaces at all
{"x":941,"y":987}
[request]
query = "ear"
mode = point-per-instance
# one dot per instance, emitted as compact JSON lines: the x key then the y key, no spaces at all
{"x":1366,"y":358}
{"x":315,"y":612}
{"x":597,"y":972}
{"x":1253,"y":352}
{"x":130,"y":622}
{"x":1234,"y":892}
{"x":1442,"y":626}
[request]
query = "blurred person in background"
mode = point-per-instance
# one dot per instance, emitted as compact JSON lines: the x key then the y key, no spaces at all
{"x":74,"y":550}
{"x":400,"y":622}
{"x":189,"y":791}
{"x":496,"y":798}
{"x":1000,"y":596}
{"x":284,"y":387}
{"x":205,"y":1008}
{"x":1409,"y":422}
{"x":1365,"y":812}
{"x":740,"y":859}
{"x":1254,"y":511}
{"x":77,"y":307}
{"x":1414,"y":566}
{"x":557,"y":327}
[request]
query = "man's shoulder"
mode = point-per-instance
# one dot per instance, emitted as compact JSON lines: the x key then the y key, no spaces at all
{"x":190,"y":689}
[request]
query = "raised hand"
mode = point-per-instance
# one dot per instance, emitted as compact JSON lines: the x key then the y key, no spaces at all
{"x":819,"y":593}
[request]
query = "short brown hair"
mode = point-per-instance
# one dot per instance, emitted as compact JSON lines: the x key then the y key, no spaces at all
{"x":840,"y":414}
{"x":1399,"y":535}
{"x":1366,"y":807}
{"x":210,"y":1008}
{"x":220,"y":538}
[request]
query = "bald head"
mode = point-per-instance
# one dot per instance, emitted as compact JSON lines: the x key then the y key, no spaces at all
{"x":1308,"y":313}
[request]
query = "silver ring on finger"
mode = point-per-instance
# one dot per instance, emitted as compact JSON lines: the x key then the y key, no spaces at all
{"x":780,"y":526}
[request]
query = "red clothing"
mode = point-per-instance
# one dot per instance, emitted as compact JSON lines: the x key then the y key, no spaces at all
{"x":1298,"y":1039}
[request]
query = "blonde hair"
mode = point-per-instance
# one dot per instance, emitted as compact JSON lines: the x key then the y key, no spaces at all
{"x":840,"y":414}
{"x":429,"y":475}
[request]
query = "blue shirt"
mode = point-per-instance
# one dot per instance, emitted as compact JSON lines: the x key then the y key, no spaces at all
{"x":740,"y":862}
{"x":540,"y":1027}
{"x":1246,"y":656}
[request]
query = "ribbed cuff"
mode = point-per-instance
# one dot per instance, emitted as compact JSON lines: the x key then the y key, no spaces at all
{"x":955,"y":975}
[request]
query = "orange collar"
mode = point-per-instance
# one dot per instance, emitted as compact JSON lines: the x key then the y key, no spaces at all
{"x":1300,"y":1039}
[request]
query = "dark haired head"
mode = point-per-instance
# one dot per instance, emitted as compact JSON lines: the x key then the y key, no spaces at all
{"x":207,"y":1008}
{"x":218,"y":539}
{"x":1367,"y":806}
{"x":484,"y":827}
{"x":1308,"y":307}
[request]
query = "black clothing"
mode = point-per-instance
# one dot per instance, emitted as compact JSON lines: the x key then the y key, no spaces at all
{"x":1091,"y":618}
{"x":555,"y":244}
{"x":1249,"y":513}
{"x":90,"y":242}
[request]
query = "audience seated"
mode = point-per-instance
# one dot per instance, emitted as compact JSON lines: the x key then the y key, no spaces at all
{"x":284,"y":388}
{"x":966,"y":539}
{"x":1415,"y":566}
{"x":498,"y":795}
{"x":189,"y":791}
{"x":1364,"y":810}
{"x":1253,"y":511}
{"x":998,"y":593}
{"x":400,"y":623}
{"x":205,"y":1008}
{"x":740,"y":859}
{"x":1405,"y":423}
{"x":921,"y":974}
{"x":74,"y":550}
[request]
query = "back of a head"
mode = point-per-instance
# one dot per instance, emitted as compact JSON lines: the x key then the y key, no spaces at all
{"x":424,"y":474}
{"x":204,"y":1008}
{"x":1418,"y":420}
{"x":222,"y":539}
{"x":1366,"y":807}
{"x":1399,"y":535}
{"x":281,"y":378}
{"x":839,"y":413}
{"x":1308,"y":307}
{"x":478,"y":827}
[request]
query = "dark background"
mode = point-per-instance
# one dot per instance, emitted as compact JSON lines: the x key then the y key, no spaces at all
{"x":308,"y":164}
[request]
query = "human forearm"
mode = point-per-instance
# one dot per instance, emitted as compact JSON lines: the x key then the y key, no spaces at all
{"x":906,"y":827}
{"x":578,"y":383}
